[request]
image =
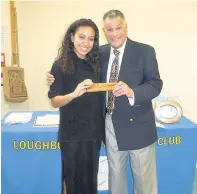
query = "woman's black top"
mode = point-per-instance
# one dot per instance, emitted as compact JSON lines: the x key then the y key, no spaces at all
{"x":81,"y":119}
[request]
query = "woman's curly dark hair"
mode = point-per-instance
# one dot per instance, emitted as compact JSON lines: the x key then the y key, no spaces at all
{"x":66,"y":50}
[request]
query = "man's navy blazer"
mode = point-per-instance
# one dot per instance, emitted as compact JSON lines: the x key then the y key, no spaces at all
{"x":134,"y":126}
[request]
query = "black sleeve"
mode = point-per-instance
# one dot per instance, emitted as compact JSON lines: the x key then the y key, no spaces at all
{"x":56,"y":89}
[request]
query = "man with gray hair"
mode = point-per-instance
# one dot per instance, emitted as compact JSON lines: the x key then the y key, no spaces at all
{"x":130,"y":122}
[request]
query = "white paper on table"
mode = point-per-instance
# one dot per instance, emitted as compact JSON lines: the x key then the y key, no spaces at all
{"x":47,"y":120}
{"x":160,"y":125}
{"x":18,"y":117}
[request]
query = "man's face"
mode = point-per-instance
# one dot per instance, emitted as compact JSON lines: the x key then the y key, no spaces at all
{"x":115,"y":30}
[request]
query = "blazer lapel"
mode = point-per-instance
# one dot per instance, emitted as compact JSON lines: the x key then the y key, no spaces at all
{"x":129,"y":59}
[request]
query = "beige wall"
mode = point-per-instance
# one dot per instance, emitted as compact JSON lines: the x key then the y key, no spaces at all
{"x":168,"y":26}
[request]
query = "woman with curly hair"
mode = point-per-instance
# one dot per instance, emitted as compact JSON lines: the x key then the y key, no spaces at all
{"x":81,"y":128}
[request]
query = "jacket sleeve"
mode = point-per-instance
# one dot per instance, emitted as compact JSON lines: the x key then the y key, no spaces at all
{"x":152,"y":84}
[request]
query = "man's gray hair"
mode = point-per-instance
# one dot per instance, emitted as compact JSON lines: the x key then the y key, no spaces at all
{"x":113,"y":14}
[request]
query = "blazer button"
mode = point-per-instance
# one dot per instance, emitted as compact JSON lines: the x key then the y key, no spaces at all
{"x":131,"y":119}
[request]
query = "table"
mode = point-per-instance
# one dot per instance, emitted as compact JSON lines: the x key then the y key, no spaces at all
{"x":31,"y":159}
{"x":176,"y":153}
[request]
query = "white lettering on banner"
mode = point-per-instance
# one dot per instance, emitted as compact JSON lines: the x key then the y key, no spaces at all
{"x":36,"y":145}
{"x":165,"y":141}
{"x":53,"y":145}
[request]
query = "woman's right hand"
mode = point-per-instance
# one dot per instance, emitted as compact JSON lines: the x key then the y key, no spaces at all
{"x":82,"y":88}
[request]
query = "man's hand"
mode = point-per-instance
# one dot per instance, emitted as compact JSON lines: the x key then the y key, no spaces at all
{"x":49,"y":78}
{"x":121,"y":89}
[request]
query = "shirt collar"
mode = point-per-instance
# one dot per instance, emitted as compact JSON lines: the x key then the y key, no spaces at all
{"x":121,"y":49}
